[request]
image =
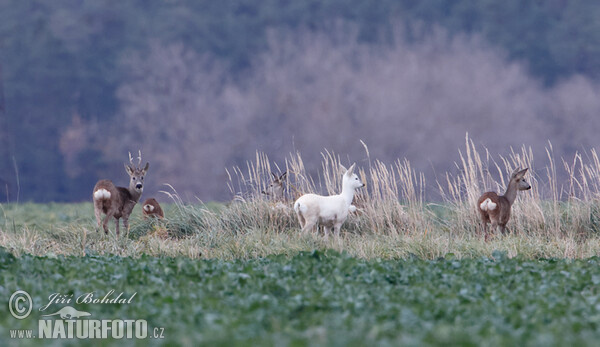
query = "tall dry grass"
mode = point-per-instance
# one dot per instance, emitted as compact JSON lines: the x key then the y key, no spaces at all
{"x":396,"y":215}
{"x":552,"y":219}
{"x":395,"y":202}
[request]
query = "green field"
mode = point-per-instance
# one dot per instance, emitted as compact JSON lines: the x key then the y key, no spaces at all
{"x":243,"y":274}
{"x":326,"y":298}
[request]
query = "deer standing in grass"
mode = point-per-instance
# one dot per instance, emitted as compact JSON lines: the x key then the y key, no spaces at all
{"x":329,"y":211}
{"x":118,"y":202}
{"x":495,"y":209}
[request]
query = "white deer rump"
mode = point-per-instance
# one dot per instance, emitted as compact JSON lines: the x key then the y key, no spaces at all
{"x":101,"y":194}
{"x":487,"y":205}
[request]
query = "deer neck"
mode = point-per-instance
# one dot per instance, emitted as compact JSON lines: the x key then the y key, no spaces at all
{"x":347,"y":194}
{"x":279,"y":194}
{"x":511,"y":192}
{"x":135,"y":194}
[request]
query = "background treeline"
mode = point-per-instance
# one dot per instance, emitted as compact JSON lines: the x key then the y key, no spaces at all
{"x":200,"y":85}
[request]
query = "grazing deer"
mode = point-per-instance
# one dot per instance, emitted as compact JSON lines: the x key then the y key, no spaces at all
{"x":151,"y":208}
{"x":118,"y":202}
{"x":276,"y":189}
{"x":496,"y":209}
{"x":329,"y":211}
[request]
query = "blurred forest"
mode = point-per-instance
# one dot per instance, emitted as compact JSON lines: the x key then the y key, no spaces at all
{"x":200,"y":85}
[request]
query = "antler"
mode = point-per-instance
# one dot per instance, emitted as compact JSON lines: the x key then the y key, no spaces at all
{"x":139,"y":160}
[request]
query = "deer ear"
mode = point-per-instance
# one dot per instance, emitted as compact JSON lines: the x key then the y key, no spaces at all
{"x":283,"y":176}
{"x":343,"y":168}
{"x":351,"y":169}
{"x":146,"y":168}
{"x":521,"y":173}
{"x":274,"y":175}
{"x":514,"y":173}
{"x":128,"y":169}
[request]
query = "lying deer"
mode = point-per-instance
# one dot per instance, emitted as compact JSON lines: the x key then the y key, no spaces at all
{"x":496,"y":209}
{"x":151,"y":208}
{"x":118,"y":202}
{"x":329,"y":211}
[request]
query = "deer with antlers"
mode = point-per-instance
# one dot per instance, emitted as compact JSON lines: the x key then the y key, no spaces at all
{"x":118,"y":202}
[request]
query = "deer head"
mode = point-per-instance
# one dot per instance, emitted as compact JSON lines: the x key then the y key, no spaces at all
{"x":518,"y":177}
{"x":136,"y":174}
{"x":276,"y":187}
{"x":350,"y":179}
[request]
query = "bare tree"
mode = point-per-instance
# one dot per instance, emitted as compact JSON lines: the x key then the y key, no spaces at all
{"x":172,"y":106}
{"x":314,"y":90}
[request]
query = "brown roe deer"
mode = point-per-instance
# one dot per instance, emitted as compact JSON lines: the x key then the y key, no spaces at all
{"x":495,"y":209}
{"x":276,"y":189}
{"x":118,"y":202}
{"x":151,"y":208}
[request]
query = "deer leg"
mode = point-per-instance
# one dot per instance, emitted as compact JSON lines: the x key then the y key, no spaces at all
{"x":494,"y":227}
{"x":484,"y":220}
{"x":301,"y":220}
{"x":326,"y":232}
{"x":126,"y":224}
{"x":336,"y":229}
{"x":503,"y":229}
{"x":97,"y":212}
{"x":308,"y":224}
{"x":117,"y":223}
{"x":331,"y":230}
{"x":105,"y":224}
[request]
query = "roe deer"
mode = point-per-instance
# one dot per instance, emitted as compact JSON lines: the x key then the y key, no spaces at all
{"x":276,"y":189}
{"x":118,"y":202}
{"x":151,"y":208}
{"x":329,"y":211}
{"x":496,"y":209}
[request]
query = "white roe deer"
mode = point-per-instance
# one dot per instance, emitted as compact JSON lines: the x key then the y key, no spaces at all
{"x":495,"y":209}
{"x":329,"y":211}
{"x":118,"y":202}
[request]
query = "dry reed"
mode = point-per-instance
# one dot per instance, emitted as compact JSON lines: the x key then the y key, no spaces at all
{"x":394,"y":218}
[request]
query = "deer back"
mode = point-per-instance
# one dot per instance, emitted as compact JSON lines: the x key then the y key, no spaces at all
{"x":501,"y":211}
{"x":106,"y":196}
{"x":151,"y":207}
